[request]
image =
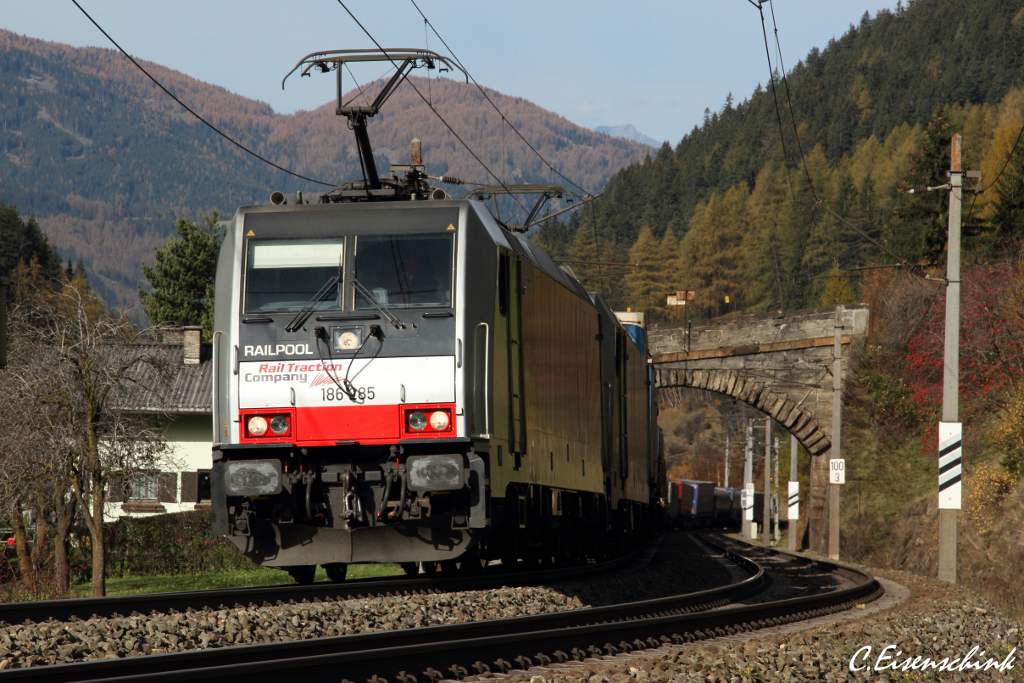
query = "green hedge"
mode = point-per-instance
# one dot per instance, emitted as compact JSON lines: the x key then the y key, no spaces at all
{"x":168,"y":544}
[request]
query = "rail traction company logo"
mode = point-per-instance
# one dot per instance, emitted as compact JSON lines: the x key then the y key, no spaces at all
{"x":893,"y":659}
{"x":278,"y":350}
{"x":295,"y":372}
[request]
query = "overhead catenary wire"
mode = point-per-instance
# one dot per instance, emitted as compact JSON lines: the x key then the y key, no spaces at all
{"x":361,"y":90}
{"x":491,"y":102}
{"x":430,"y":106}
{"x":601,"y":263}
{"x":917,"y":270}
{"x":189,"y":109}
{"x":775,"y":98}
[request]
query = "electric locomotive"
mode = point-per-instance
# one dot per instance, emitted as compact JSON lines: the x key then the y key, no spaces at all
{"x":399,"y":377}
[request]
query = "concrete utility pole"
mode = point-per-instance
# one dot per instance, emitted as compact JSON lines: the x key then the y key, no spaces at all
{"x":726,"y":484}
{"x":748,"y":483}
{"x":950,"y":429}
{"x":775,"y":489}
{"x":794,"y":495}
{"x":836,"y":454}
{"x":766,"y":519}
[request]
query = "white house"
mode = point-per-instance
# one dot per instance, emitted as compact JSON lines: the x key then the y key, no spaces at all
{"x":182,"y":403}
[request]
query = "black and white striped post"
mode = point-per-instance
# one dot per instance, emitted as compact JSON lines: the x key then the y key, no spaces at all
{"x":950,"y":432}
{"x":794,"y":495}
{"x":950,"y":465}
{"x":748,"y":484}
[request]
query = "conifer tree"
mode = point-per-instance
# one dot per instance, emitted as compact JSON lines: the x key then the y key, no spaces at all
{"x":918,"y":232}
{"x":644,"y":284}
{"x":761,"y":243}
{"x":668,"y":266}
{"x":23,"y":241}
{"x":711,"y":255}
{"x":1008,"y":208}
{"x":801,"y":219}
{"x":837,"y":289}
{"x":182,"y":275}
{"x":584,"y":249}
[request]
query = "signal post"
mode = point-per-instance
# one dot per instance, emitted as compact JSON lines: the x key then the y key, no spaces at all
{"x":837,"y":466}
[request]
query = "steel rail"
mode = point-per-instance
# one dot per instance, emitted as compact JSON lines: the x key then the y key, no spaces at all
{"x":239,"y":660}
{"x":432,"y":653}
{"x":84,"y":608}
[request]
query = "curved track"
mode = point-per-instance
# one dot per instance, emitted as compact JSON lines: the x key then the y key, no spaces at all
{"x":433,"y":653}
{"x":83,"y":608}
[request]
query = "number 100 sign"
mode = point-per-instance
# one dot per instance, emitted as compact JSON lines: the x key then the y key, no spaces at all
{"x":837,"y":471}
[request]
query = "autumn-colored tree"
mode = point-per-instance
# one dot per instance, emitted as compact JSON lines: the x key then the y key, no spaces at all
{"x":837,"y":290}
{"x":712,"y":257}
{"x":1008,"y":208}
{"x":668,"y":265}
{"x":643,"y":283}
{"x":583,"y":253}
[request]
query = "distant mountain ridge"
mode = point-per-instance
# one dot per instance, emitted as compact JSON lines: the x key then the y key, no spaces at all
{"x":106,"y":161}
{"x":629,"y":132}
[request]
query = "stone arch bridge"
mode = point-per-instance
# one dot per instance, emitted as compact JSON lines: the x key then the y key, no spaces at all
{"x":780,"y":363}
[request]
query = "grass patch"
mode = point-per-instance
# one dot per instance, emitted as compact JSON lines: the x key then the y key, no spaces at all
{"x":238,"y":578}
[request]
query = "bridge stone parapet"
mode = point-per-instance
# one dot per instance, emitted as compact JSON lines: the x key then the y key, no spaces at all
{"x":780,"y":363}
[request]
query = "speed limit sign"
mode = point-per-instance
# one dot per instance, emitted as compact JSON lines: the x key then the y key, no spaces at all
{"x":837,"y":471}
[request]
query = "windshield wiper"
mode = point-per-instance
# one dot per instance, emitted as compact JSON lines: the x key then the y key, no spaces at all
{"x":388,"y":315}
{"x":307,"y":310}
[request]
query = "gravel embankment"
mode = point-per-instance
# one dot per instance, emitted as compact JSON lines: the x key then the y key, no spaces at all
{"x":677,"y":567}
{"x":937,"y":621}
{"x":52,"y":642}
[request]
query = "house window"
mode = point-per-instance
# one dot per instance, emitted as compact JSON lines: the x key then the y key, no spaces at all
{"x":143,"y":487}
{"x":195,"y":487}
{"x":204,"y":486}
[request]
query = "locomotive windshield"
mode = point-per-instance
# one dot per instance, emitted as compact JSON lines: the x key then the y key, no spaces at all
{"x":405,"y":271}
{"x":283,"y":275}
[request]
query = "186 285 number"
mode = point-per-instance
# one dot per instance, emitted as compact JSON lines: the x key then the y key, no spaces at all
{"x":360,"y":394}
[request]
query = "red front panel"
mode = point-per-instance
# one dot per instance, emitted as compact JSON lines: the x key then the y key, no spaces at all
{"x":362,"y":424}
{"x":327,"y":425}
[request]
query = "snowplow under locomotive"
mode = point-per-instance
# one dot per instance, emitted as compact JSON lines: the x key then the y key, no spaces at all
{"x":410,"y":381}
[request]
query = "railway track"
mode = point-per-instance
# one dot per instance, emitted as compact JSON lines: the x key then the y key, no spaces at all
{"x":84,"y":608}
{"x":453,"y":652}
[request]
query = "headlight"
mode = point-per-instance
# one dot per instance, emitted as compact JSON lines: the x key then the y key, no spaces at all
{"x":257,"y":426}
{"x":279,"y":425}
{"x":439,"y":420}
{"x":417,"y":420}
{"x":436,"y":472}
{"x":347,"y":340}
{"x":252,"y":477}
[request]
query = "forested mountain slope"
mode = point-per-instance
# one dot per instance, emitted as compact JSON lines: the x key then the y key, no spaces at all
{"x":891,"y":69}
{"x":875,"y":110}
{"x":106,"y":161}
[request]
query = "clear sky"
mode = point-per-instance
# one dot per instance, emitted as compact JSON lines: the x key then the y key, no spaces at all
{"x":655,"y":64}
